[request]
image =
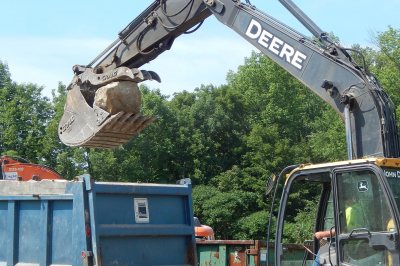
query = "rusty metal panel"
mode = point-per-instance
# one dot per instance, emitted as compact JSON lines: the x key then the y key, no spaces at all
{"x":237,"y":255}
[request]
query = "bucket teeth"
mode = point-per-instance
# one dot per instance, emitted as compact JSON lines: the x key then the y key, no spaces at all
{"x":118,"y":130}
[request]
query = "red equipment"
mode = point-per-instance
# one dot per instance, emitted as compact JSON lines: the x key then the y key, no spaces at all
{"x":15,"y":169}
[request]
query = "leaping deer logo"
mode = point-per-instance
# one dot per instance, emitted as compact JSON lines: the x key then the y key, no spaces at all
{"x":363,"y":186}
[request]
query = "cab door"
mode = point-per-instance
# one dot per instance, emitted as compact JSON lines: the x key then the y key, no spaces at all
{"x":366,"y":233}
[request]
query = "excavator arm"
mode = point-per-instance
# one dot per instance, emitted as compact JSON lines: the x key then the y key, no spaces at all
{"x":320,"y":64}
{"x":84,"y":122}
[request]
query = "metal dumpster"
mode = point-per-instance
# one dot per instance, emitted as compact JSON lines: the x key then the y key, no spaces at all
{"x":243,"y":253}
{"x":92,"y":223}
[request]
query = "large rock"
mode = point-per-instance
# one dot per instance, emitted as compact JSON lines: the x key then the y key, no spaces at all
{"x":119,"y":96}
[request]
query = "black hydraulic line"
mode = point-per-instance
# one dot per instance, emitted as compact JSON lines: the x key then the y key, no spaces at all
{"x":137,"y":21}
{"x":152,"y":33}
{"x":123,"y":34}
{"x":184,"y":20}
{"x":195,"y":28}
{"x":164,"y":11}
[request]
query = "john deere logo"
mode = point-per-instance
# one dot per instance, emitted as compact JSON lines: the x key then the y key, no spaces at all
{"x":363,"y":186}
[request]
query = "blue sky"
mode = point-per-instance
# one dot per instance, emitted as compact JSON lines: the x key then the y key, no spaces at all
{"x":41,"y":40}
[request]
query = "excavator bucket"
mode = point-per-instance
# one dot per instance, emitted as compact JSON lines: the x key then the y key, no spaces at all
{"x":88,"y":125}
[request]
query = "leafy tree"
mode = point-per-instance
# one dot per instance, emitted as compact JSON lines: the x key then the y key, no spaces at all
{"x":302,"y":227}
{"x":253,"y":226}
{"x":217,"y":124}
{"x":71,"y":163}
{"x":281,"y":112}
{"x":221,"y":210}
{"x":24,"y":115}
{"x":328,"y":139}
{"x":51,"y":144}
{"x":103,"y":165}
{"x":147,"y":157}
{"x":5,"y":76}
{"x":68,"y":162}
{"x":386,"y":64}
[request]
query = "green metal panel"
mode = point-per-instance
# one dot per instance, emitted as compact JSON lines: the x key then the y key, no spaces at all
{"x":222,"y":255}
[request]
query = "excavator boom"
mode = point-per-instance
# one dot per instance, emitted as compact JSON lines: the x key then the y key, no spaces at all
{"x":323,"y":66}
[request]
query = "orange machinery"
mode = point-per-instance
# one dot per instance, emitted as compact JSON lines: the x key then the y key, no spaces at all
{"x":19,"y":169}
{"x":202,"y":231}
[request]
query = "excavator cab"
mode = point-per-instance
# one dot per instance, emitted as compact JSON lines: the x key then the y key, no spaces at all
{"x":201,"y":231}
{"x":102,"y":109}
{"x":357,"y":202}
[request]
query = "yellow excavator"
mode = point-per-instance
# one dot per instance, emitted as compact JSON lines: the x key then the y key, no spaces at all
{"x":371,"y":176}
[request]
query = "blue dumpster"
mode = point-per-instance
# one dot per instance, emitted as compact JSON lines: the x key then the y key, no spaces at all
{"x":94,"y":223}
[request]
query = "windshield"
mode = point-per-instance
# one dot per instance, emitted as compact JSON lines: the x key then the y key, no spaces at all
{"x":365,"y":220}
{"x":362,"y":202}
{"x":393,"y":177}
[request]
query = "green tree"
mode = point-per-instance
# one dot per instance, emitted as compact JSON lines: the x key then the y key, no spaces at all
{"x":213,"y":127}
{"x":221,"y":210}
{"x":24,"y":115}
{"x":328,"y":139}
{"x":281,"y":112}
{"x":5,"y":76}
{"x":146,"y":157}
{"x":253,"y":226}
{"x":386,"y":63}
{"x":67,"y":161}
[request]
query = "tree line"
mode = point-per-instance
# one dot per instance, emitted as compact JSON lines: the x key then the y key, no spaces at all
{"x":228,"y":139}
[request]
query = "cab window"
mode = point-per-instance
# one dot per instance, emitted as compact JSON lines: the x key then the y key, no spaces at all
{"x":364,"y":214}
